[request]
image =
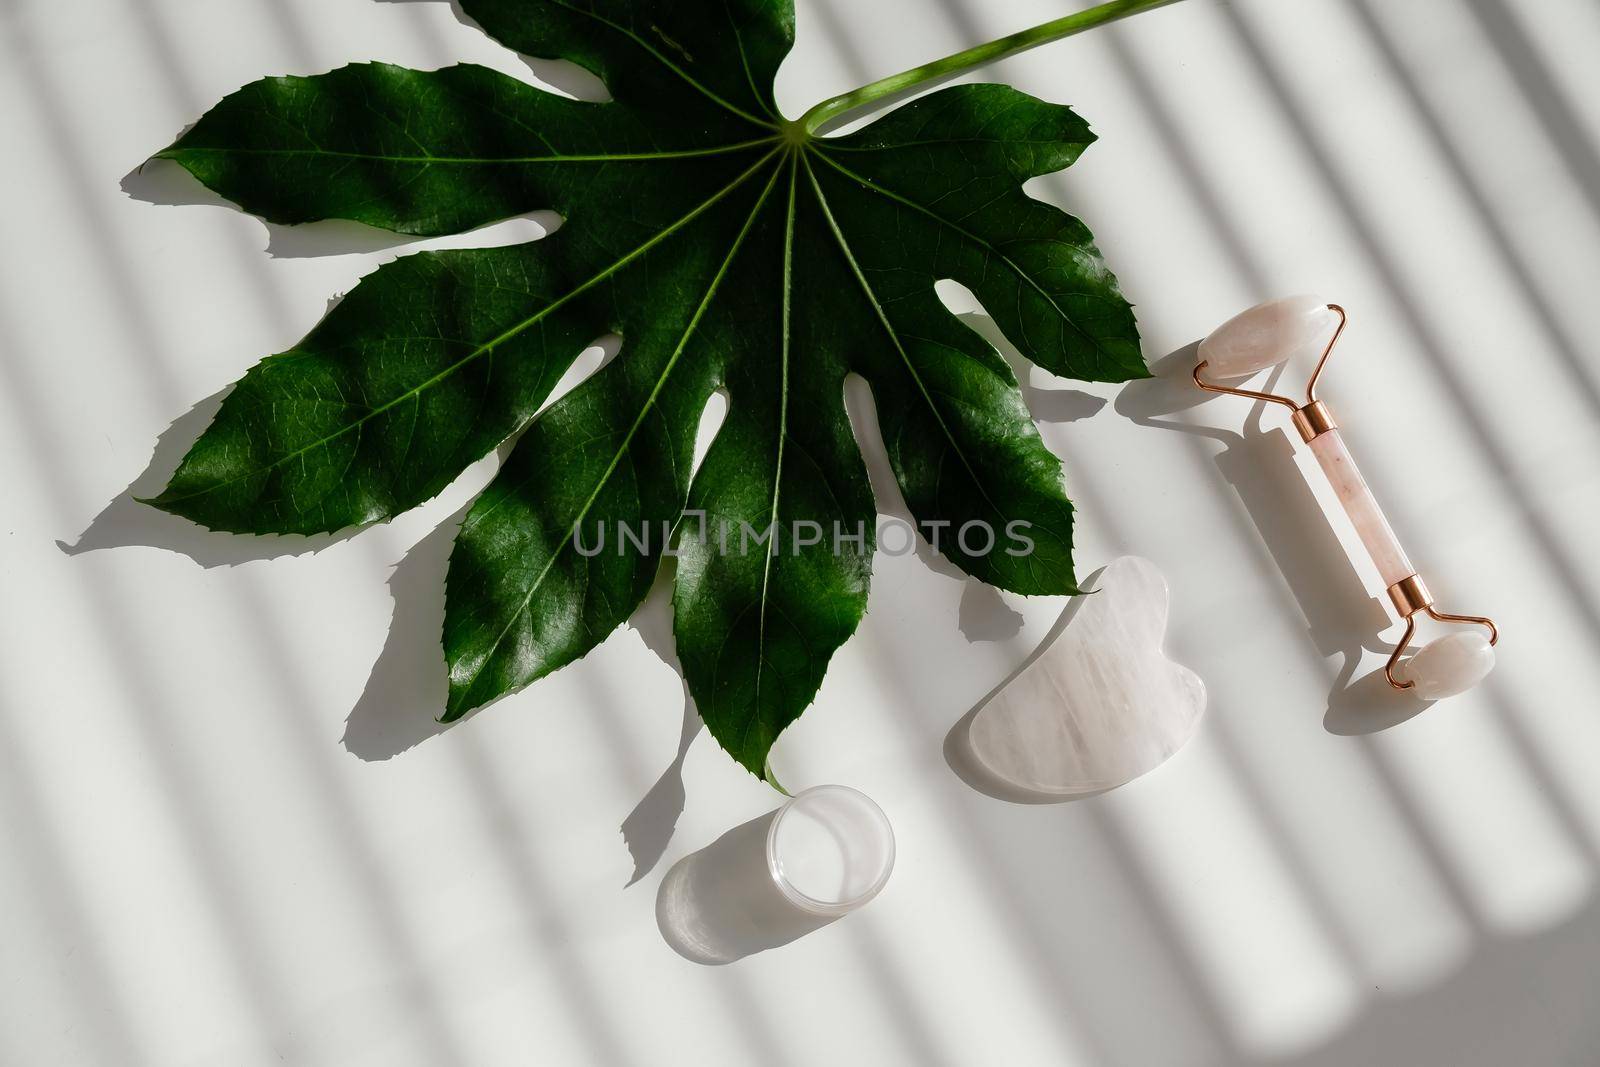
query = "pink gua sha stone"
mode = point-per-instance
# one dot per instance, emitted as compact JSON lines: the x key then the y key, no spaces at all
{"x":1102,"y":704}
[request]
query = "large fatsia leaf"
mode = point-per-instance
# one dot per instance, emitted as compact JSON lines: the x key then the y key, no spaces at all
{"x":730,"y":250}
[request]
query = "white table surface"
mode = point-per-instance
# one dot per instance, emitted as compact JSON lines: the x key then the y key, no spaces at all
{"x":201,"y":862}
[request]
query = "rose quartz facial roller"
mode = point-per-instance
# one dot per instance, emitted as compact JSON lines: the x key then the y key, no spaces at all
{"x":1271,"y":333}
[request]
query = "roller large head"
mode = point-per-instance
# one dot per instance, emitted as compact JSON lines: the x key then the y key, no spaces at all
{"x":1268,"y":334}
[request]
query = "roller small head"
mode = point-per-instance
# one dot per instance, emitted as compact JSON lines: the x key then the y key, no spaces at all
{"x":1268,"y":334}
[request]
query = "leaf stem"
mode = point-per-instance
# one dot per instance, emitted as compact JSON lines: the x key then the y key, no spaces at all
{"x":949,"y":66}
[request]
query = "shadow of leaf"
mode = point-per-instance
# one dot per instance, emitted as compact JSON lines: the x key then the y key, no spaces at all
{"x":984,"y":614}
{"x":399,"y":706}
{"x":164,"y":183}
{"x":649,"y":827}
{"x":1046,"y":405}
{"x":560,"y":74}
{"x":126,"y":523}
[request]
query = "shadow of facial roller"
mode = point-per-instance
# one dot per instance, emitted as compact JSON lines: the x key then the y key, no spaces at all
{"x":1370,"y":705}
{"x":1271,"y":333}
{"x":1259,"y":463}
{"x":777,"y":878}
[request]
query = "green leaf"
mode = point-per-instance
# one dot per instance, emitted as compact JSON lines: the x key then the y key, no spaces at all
{"x":731,"y":250}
